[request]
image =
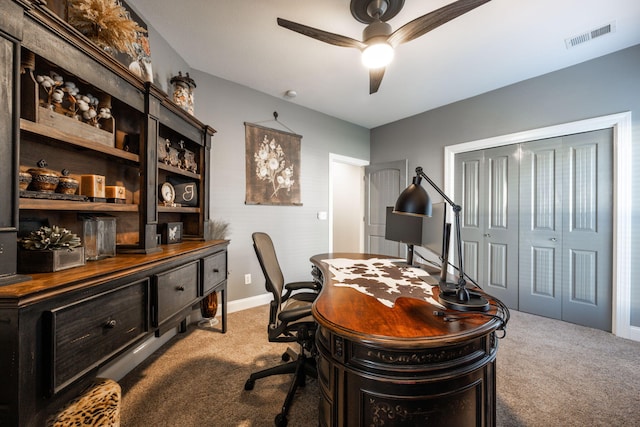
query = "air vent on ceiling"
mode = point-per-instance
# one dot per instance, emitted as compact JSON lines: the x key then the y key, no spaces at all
{"x":590,"y":35}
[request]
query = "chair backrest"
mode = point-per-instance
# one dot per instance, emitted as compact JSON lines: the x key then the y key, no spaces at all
{"x":274,"y":280}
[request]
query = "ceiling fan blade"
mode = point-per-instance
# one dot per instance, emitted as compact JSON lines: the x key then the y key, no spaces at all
{"x":375,"y":78}
{"x":432,"y":20}
{"x":323,"y":36}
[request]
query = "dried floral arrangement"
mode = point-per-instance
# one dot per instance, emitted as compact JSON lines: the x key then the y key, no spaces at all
{"x":218,"y":229}
{"x":51,"y":238}
{"x":107,"y":23}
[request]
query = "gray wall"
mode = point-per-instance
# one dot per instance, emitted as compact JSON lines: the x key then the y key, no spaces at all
{"x":607,"y":85}
{"x":296,"y":231}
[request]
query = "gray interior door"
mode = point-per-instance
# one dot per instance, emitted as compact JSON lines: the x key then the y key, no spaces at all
{"x":489,"y":191}
{"x":468,"y":189}
{"x":587,"y":236}
{"x":566,"y":228}
{"x":537,"y":225}
{"x":541,"y":228}
{"x":383,"y":184}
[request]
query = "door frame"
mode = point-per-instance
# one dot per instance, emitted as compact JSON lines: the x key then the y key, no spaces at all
{"x":621,"y":257}
{"x":338,"y":158}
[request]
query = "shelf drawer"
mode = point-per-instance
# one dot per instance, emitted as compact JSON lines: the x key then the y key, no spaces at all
{"x":174,"y":290}
{"x":86,"y":333}
{"x":214,"y":271}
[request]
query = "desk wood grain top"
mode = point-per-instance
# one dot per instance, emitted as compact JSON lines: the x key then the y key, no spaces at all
{"x":409,"y":322}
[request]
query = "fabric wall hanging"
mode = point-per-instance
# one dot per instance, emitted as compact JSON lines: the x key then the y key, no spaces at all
{"x":272,"y":166}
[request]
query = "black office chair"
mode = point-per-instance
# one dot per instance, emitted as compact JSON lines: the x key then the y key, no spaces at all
{"x":290,"y":320}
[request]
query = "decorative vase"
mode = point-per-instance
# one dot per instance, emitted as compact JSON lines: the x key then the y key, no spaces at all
{"x":43,"y":180}
{"x":25,"y":180}
{"x":183,"y":91}
{"x":67,"y":184}
{"x":208,"y":309}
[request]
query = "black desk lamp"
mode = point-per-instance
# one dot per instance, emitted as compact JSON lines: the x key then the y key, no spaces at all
{"x":414,"y":200}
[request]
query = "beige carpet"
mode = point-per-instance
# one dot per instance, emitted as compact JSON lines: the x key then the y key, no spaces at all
{"x":549,"y":373}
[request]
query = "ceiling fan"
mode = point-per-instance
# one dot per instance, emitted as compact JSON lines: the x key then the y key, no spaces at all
{"x":378,"y":38}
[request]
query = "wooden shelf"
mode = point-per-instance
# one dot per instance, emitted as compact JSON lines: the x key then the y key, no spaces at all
{"x":178,"y":171}
{"x":70,"y":139}
{"x":181,"y":209}
{"x":64,"y":205}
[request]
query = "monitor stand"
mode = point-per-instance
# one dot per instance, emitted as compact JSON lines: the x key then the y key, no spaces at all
{"x":409,"y":261}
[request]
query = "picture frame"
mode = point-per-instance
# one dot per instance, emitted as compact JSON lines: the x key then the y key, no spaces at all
{"x":171,"y":232}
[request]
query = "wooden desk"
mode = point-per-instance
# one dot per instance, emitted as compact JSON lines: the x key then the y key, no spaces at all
{"x":388,"y":355}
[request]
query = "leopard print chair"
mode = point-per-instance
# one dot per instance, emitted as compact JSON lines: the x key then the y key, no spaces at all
{"x":98,"y":405}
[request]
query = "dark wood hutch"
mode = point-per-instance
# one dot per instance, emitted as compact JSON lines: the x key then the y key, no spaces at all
{"x":57,"y":329}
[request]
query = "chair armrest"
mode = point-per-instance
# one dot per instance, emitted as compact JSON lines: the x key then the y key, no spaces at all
{"x":305,"y":296}
{"x":294,"y":314}
{"x":294,"y":286}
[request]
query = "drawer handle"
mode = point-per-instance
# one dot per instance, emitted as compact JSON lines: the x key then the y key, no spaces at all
{"x":180,"y":288}
{"x":110,"y":324}
{"x":216,"y":270}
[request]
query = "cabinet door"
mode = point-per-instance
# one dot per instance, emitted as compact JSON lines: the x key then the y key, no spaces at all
{"x":8,"y":170}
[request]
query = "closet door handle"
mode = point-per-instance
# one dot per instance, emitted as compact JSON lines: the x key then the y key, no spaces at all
{"x":487,"y":235}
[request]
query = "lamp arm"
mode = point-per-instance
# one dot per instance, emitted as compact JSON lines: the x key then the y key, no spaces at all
{"x":456,"y":212}
{"x":421,"y":174}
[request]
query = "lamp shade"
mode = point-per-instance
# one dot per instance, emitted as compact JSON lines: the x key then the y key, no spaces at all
{"x":414,"y":200}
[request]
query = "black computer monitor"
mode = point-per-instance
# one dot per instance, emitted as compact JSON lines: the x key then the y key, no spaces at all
{"x":405,"y":229}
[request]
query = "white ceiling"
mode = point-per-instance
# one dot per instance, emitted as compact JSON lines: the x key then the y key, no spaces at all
{"x":497,"y":44}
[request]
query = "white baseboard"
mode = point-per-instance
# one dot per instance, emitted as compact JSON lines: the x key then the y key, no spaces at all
{"x":121,"y":366}
{"x":247,"y":303}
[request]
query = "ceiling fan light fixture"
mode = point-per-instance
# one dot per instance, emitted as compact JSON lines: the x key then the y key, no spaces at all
{"x":377,"y":55}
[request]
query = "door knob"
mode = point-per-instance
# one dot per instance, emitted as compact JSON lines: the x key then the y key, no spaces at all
{"x":553,"y":239}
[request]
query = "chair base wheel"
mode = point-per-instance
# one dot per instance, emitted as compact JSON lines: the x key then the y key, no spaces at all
{"x":281,"y":420}
{"x":249,"y":384}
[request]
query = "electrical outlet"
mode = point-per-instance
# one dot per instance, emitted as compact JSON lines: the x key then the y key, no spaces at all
{"x":247,"y":279}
